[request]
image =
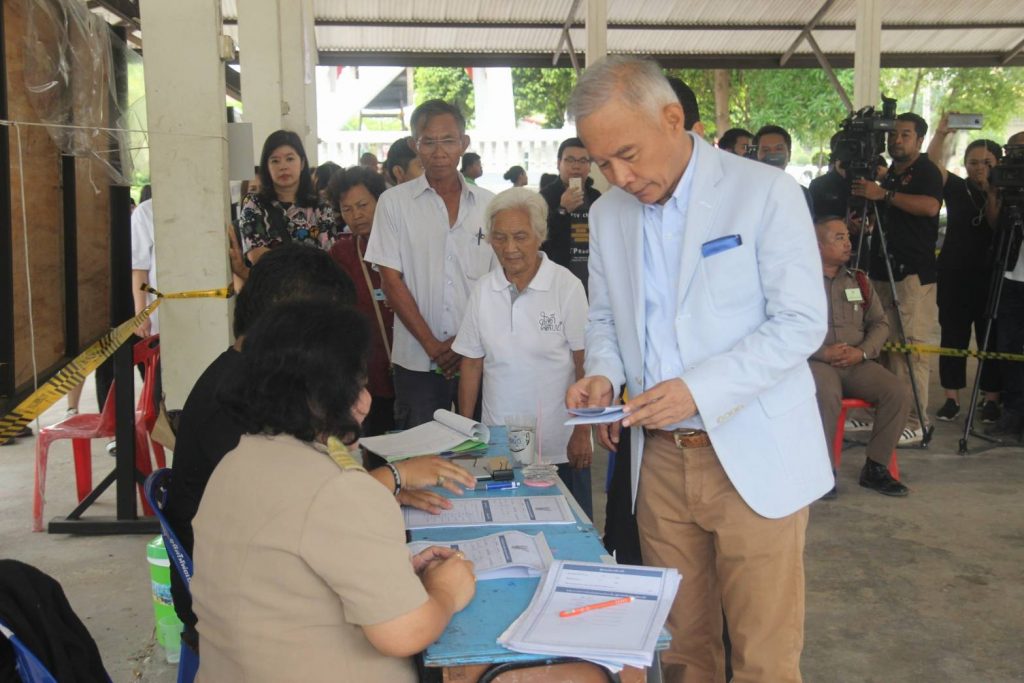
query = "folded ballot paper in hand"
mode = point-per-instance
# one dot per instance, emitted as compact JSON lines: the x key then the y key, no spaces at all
{"x":504,"y":555}
{"x":447,"y":434}
{"x":595,"y":416}
{"x":627,"y":608}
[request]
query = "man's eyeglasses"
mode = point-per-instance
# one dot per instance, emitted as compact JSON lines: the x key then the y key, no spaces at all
{"x":430,"y":144}
{"x":574,"y":160}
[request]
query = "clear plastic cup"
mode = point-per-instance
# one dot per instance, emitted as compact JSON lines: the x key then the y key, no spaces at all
{"x":170,"y":635}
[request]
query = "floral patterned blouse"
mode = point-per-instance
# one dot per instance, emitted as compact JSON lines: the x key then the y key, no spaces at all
{"x":271,"y":225}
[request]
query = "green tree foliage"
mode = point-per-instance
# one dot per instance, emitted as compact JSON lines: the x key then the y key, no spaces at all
{"x":543,"y":92}
{"x":446,"y":83}
{"x":998,"y":93}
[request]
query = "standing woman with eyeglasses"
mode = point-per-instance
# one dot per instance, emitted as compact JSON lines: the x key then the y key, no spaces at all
{"x":286,"y":208}
{"x":965,"y":271}
{"x":569,"y":199}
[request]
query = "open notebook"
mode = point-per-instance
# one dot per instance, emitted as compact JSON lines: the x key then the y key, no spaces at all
{"x":447,"y":434}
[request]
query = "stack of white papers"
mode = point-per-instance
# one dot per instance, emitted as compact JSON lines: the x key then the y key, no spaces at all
{"x":494,"y":512}
{"x":505,"y":555}
{"x":623,"y":634}
{"x":448,"y":434}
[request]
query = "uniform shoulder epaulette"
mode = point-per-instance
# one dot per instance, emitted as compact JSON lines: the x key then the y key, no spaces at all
{"x":340,"y":454}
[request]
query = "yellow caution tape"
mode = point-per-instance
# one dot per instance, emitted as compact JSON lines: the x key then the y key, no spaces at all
{"x":75,"y":372}
{"x":943,"y":351}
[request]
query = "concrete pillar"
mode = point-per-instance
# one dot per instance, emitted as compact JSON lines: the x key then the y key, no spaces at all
{"x":189,"y":170}
{"x":867,"y":55}
{"x":597,"y":30}
{"x":278,"y":56}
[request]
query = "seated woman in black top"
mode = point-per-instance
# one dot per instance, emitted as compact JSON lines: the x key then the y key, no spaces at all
{"x":965,"y":271}
{"x":286,"y":208}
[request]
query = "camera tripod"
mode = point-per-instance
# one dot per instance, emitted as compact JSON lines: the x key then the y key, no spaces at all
{"x":1011,"y":218}
{"x":870,"y":208}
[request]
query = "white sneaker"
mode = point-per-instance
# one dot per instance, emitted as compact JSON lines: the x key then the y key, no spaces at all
{"x":910,"y":436}
{"x":854,"y":425}
{"x":69,"y":412}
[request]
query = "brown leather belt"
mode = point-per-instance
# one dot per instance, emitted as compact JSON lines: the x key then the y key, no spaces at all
{"x":682,"y":438}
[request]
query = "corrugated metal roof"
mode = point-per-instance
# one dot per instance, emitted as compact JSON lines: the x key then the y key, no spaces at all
{"x":698,"y":32}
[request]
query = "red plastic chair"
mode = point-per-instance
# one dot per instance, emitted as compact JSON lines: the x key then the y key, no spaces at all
{"x":83,"y":428}
{"x":837,"y":443}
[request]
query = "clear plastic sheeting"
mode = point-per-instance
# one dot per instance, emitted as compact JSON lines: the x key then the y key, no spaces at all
{"x":77,"y":75}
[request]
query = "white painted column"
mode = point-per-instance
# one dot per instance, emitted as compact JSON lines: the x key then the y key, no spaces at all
{"x":278,"y":56}
{"x":189,"y":170}
{"x":867,"y":56}
{"x":597,"y":30}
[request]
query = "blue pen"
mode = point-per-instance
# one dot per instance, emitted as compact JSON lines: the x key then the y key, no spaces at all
{"x":499,"y":486}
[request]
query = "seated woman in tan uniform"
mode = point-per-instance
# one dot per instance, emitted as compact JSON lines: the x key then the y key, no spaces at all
{"x":301,"y":568}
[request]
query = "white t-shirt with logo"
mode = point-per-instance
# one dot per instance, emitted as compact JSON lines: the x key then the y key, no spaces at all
{"x":527,"y":347}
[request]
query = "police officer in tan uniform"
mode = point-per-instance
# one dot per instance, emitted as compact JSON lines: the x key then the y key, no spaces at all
{"x":845,"y":367}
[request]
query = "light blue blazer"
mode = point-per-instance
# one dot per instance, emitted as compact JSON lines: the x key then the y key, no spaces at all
{"x":748,"y":318}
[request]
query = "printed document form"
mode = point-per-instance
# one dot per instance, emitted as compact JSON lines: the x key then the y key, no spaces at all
{"x":616,"y":636}
{"x":505,"y":555}
{"x":494,"y":512}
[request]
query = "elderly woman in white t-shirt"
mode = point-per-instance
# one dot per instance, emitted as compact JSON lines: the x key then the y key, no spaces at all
{"x":522,"y":337}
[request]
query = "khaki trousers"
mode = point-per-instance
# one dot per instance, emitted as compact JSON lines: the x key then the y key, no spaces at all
{"x":873,"y":383}
{"x":691,"y":518}
{"x":920,"y":315}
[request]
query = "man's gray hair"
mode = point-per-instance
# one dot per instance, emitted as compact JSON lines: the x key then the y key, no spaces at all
{"x":525,"y":200}
{"x":636,"y":81}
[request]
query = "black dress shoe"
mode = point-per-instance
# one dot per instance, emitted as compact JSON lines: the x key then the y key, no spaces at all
{"x":876,"y":476}
{"x":1009,"y":424}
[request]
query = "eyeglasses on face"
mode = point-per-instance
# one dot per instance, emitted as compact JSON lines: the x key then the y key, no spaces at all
{"x":430,"y":144}
{"x":576,"y":160}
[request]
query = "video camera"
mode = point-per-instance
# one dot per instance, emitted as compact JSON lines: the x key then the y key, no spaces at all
{"x":861,"y":138}
{"x":1008,"y":175}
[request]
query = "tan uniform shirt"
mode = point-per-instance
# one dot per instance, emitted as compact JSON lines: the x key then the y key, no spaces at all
{"x":848,"y":321}
{"x":292,"y":555}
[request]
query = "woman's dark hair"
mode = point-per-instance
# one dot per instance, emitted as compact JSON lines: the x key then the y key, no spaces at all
{"x":354,"y":176}
{"x":304,"y":368}
{"x":306,"y":195}
{"x":513,"y":173}
{"x":147,"y":193}
{"x":291,"y":272}
{"x":324,"y":173}
{"x":400,"y":153}
{"x":990,"y":145}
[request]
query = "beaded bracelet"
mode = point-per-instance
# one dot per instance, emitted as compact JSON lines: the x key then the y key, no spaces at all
{"x":397,"y":477}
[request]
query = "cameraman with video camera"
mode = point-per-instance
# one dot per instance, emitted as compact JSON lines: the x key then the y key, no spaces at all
{"x":1007,"y":179}
{"x":965,"y":268}
{"x":912,"y":196}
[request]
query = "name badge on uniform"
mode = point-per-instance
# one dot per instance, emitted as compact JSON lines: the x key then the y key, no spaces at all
{"x":378,"y":294}
{"x":854,"y":295}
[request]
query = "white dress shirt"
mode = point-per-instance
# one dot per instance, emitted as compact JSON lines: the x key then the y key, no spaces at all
{"x":527,"y":346}
{"x":143,"y":251}
{"x":439,"y":264}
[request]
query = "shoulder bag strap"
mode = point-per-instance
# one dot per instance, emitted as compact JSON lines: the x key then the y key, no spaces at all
{"x":373,"y":299}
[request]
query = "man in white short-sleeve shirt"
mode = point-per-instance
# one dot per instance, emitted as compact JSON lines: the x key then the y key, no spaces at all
{"x":428,"y":244}
{"x":144,"y":263}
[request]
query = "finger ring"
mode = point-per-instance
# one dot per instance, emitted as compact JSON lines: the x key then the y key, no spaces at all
{"x":440,"y":480}
{"x":460,"y":555}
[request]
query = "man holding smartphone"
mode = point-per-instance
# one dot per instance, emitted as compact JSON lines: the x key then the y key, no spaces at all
{"x":569,"y":199}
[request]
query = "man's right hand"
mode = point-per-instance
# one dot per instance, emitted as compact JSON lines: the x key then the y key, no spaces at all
{"x":596,"y":391}
{"x":451,"y":578}
{"x":831,"y":353}
{"x":571,"y":199}
{"x":446,"y":359}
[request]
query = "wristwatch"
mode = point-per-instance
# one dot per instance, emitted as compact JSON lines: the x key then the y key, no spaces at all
{"x":889,"y":194}
{"x":865,"y":354}
{"x":562,"y":211}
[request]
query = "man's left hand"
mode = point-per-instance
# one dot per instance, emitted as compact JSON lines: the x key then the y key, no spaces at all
{"x":867,"y":189}
{"x":663,"y":404}
{"x":848,"y":356}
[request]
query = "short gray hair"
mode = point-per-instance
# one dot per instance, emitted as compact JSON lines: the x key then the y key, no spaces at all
{"x":638,"y":82}
{"x":524,"y":200}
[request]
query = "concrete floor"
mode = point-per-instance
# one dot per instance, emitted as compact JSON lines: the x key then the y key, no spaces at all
{"x":925,"y":589}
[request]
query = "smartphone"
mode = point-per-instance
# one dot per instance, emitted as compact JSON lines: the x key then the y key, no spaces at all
{"x":576,"y":184}
{"x":965,"y":121}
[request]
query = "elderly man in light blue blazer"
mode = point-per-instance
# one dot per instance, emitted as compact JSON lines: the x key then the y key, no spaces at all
{"x":706,"y":301}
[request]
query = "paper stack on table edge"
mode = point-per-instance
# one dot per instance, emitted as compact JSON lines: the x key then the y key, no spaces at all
{"x":614,"y":637}
{"x":493,"y":511}
{"x":448,"y":433}
{"x":504,"y":555}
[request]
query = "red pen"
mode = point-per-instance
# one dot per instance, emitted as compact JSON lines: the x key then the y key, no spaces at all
{"x":597,"y":605}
